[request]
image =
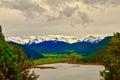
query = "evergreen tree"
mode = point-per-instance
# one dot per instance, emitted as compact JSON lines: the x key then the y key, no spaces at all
{"x":112,"y":59}
{"x":13,"y":63}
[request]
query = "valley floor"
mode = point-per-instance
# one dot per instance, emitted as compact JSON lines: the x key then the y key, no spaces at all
{"x":65,"y":71}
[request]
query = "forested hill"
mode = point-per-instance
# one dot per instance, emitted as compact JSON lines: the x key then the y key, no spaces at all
{"x":60,"y":47}
{"x":112,"y":48}
{"x":109,"y":56}
{"x":30,"y":54}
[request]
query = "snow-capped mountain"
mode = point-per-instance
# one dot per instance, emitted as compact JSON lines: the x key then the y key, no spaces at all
{"x":38,"y":39}
{"x":60,"y":44}
{"x":93,"y":39}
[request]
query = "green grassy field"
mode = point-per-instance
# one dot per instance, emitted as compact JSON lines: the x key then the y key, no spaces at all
{"x":55,"y":58}
{"x":50,"y":60}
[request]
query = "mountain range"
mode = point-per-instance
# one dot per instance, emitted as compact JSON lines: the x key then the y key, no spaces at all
{"x":68,"y":39}
{"x":60,"y":44}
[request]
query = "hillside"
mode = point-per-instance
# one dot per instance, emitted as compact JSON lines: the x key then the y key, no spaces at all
{"x":30,"y":54}
{"x":109,"y":56}
{"x":60,"y":47}
{"x":111,"y":48}
{"x":60,"y":44}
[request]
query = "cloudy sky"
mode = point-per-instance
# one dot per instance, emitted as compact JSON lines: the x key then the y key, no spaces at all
{"x":59,"y":17}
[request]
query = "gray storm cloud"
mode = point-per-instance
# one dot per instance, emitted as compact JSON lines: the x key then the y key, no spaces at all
{"x":84,"y":18}
{"x":27,"y":7}
{"x":57,"y":9}
{"x":66,"y":12}
{"x":102,"y":2}
{"x":69,"y":11}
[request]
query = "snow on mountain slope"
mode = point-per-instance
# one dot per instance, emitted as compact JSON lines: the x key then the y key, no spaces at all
{"x":38,"y":39}
{"x":93,"y":39}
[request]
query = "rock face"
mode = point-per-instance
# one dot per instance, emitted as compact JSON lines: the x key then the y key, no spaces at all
{"x":0,"y":28}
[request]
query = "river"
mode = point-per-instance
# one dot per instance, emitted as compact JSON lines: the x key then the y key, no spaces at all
{"x":65,"y":71}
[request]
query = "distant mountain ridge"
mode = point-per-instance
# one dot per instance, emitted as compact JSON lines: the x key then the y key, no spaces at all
{"x":85,"y":47}
{"x":68,"y":39}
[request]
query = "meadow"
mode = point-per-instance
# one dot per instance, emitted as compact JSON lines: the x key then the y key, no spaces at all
{"x":56,"y":58}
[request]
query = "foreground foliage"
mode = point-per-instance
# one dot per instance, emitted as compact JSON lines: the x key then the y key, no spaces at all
{"x":13,"y":64}
{"x":112,"y":59}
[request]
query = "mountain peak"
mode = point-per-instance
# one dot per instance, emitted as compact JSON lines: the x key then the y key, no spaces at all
{"x":38,"y":39}
{"x":95,"y":38}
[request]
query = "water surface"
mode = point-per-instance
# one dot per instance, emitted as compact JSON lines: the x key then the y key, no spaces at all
{"x":66,"y":71}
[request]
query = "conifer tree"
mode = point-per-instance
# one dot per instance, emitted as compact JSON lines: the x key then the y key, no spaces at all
{"x":112,"y":59}
{"x":13,"y":63}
